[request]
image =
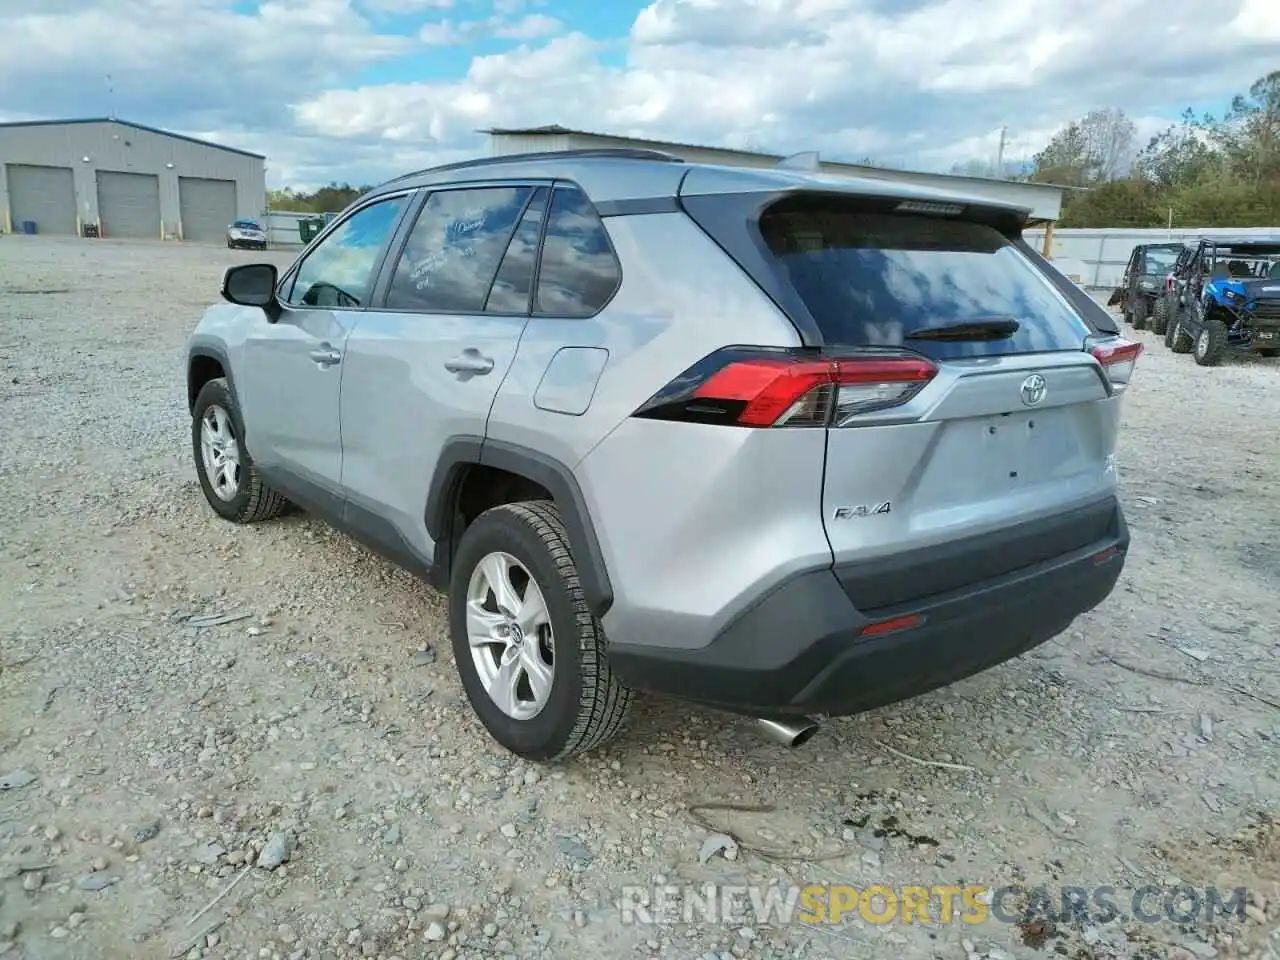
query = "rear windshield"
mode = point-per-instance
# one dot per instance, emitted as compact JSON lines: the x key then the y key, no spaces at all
{"x":872,"y":278}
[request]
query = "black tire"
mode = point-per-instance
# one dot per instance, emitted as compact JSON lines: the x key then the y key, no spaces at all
{"x":254,"y":501}
{"x":587,"y":705}
{"x":1269,"y":352}
{"x":1210,"y":342}
{"x":1160,"y":316}
{"x":1172,"y":326}
{"x":1139,"y":313}
{"x":1180,"y":341}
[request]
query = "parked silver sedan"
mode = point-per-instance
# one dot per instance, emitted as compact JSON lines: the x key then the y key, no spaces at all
{"x":248,"y":234}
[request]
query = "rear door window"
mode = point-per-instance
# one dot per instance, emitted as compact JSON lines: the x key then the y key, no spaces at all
{"x":871,"y":278}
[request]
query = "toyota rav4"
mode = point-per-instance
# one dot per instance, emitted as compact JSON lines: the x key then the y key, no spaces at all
{"x":771,"y":441}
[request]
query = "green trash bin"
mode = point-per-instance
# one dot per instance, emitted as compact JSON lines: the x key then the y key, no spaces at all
{"x":308,"y":227}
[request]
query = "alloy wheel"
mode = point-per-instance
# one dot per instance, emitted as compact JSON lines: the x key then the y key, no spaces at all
{"x":220,"y":452}
{"x":510,"y":637}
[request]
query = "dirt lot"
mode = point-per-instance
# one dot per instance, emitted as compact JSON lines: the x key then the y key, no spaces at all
{"x":146,"y":760}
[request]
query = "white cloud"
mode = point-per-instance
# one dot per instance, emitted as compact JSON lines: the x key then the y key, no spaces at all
{"x":917,"y":82}
{"x":529,"y":27}
{"x":406,"y":6}
{"x":444,"y":33}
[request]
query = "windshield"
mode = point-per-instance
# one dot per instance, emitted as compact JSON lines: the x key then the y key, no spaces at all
{"x":1248,"y":265}
{"x":872,"y":279}
{"x":246,"y":224}
{"x":1160,"y":260}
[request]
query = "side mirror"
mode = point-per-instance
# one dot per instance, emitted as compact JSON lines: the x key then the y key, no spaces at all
{"x":253,"y":285}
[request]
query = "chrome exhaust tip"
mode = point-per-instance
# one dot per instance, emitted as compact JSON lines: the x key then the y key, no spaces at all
{"x":787,"y":733}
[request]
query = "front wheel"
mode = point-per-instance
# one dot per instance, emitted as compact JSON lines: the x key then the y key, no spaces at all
{"x":1140,"y":307}
{"x":1178,"y":339}
{"x":530,"y":653}
{"x":1160,"y":316}
{"x":1211,"y":342}
{"x":228,"y":478}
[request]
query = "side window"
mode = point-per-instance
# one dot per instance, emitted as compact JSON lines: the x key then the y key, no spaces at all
{"x":453,"y":251}
{"x":579,"y":272}
{"x":340,"y":271}
{"x":514,"y":282}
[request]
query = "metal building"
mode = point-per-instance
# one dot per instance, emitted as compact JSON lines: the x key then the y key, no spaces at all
{"x":1044,"y":200}
{"x":124,"y":180}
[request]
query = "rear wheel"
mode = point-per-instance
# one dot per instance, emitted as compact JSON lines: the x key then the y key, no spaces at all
{"x":530,"y":653}
{"x":1269,"y":352}
{"x":1211,"y":342}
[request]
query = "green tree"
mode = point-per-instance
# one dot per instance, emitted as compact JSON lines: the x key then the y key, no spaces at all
{"x":1203,"y":171}
{"x":1095,"y":149}
{"x":328,"y":199}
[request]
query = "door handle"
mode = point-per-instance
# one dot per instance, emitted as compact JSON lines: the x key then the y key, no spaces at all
{"x":469,"y":361}
{"x":326,"y":356}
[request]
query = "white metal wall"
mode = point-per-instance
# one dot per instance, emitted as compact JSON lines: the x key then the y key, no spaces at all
{"x":1105,"y":252}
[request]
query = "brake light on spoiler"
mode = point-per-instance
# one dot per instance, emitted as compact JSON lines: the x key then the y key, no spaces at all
{"x":774,"y":387}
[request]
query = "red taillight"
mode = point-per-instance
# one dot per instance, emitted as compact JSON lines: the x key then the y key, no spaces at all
{"x":1168,"y":283}
{"x":1118,"y":357}
{"x":773,"y":388}
{"x":891,"y":626}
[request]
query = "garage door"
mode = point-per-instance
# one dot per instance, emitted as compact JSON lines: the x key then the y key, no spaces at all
{"x":129,"y":204}
{"x":44,"y":195}
{"x":207,"y":206}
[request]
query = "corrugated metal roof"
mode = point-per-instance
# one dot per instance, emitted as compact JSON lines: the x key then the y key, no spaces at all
{"x":136,"y":126}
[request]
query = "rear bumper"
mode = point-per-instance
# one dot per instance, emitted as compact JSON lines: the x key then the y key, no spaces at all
{"x":802,"y":648}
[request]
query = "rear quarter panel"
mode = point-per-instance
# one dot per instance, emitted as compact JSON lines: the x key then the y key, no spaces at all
{"x":693,"y":521}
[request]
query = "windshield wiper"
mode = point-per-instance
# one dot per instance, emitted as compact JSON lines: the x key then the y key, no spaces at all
{"x":994,"y":328}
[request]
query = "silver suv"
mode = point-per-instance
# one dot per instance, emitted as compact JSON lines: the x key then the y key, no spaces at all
{"x":778,"y":443}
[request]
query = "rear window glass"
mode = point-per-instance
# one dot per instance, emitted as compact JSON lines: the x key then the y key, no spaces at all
{"x":872,"y":278}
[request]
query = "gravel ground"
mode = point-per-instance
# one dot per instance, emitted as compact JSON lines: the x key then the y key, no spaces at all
{"x":318,"y":757}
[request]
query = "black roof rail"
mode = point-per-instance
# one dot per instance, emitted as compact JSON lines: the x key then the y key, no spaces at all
{"x":590,"y":153}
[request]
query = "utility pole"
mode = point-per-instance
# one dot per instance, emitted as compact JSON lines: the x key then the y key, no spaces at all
{"x":111,"y":98}
{"x":1004,"y":131}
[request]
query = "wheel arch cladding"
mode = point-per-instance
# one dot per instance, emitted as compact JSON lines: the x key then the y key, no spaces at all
{"x":205,"y":362}
{"x":461,"y":453}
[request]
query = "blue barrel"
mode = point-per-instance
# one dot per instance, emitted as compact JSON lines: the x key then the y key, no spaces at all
{"x":29,"y":227}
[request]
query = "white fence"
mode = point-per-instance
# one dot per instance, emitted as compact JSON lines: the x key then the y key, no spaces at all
{"x":282,"y":227}
{"x":1105,"y":252}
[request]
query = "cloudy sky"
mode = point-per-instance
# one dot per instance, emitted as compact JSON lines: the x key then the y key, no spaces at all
{"x":361,"y":90}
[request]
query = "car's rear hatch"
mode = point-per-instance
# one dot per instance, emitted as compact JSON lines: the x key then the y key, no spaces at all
{"x":966,"y":399}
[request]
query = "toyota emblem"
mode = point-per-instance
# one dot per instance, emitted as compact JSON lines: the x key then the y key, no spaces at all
{"x":1033,"y":389}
